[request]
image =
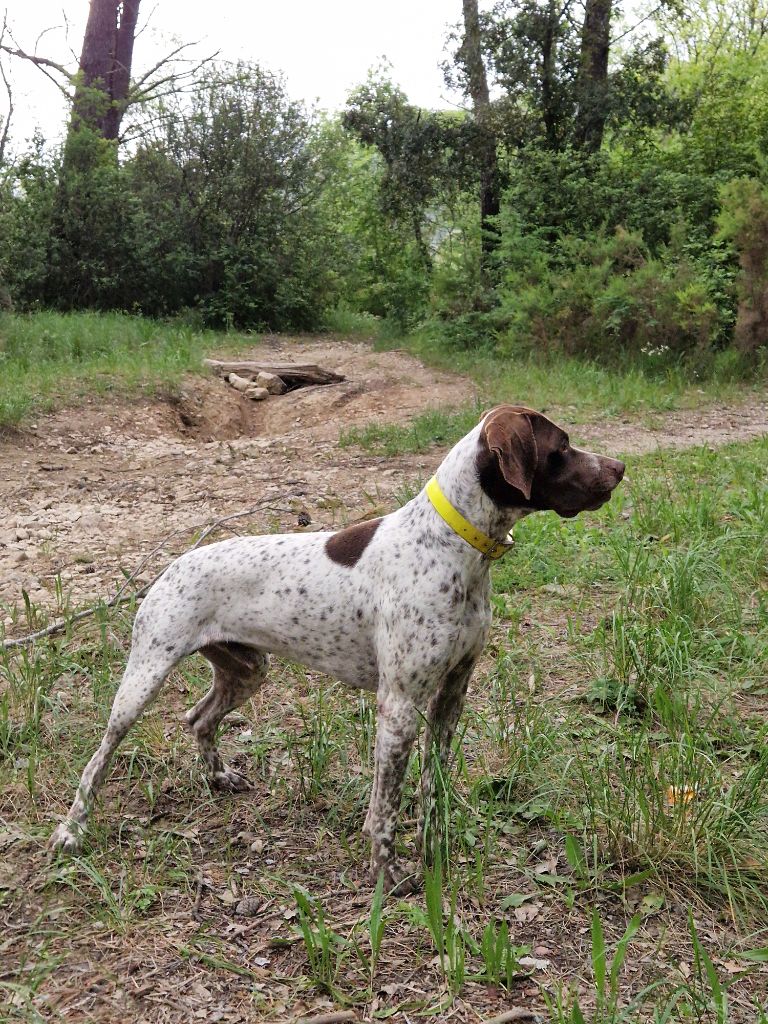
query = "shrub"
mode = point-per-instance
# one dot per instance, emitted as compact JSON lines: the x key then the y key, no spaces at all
{"x":606,"y":295}
{"x":744,"y":222}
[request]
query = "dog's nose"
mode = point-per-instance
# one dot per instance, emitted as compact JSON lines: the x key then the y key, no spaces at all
{"x":618,"y":468}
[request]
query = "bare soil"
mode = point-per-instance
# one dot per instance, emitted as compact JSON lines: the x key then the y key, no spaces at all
{"x":88,"y":492}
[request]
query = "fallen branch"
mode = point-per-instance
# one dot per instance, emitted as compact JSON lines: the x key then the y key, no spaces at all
{"x":336,"y":1017}
{"x":515,"y":1014}
{"x":295,"y":375}
{"x":120,"y":597}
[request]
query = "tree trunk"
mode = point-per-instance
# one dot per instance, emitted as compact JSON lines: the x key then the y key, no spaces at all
{"x":592,"y":79}
{"x":121,"y":67}
{"x":105,"y":67}
{"x":548,"y":54}
{"x":477,"y":84}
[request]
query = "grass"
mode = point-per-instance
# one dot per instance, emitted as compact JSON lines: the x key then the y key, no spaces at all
{"x":575,"y":388}
{"x":50,"y":359}
{"x":583,"y":387}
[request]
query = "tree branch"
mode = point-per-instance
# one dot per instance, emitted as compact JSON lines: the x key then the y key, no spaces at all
{"x":164,"y":60}
{"x":138,"y":95}
{"x":42,"y":62}
{"x":7,"y":122}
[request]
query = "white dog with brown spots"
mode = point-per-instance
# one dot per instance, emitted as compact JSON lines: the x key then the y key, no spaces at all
{"x":397,"y":605}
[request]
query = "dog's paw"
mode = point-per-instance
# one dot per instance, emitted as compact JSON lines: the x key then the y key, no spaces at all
{"x":66,"y":838}
{"x":400,"y":879}
{"x":230,"y":781}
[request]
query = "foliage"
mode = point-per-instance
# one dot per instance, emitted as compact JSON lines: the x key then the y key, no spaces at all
{"x":239,"y":205}
{"x":218,"y":211}
{"x":744,"y":222}
{"x":607,"y":296}
{"x":532,"y":50}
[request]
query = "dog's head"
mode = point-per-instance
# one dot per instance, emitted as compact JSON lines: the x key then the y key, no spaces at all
{"x":526,"y":461}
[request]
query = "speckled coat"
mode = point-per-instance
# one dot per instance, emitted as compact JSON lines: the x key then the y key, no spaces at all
{"x":398,"y":605}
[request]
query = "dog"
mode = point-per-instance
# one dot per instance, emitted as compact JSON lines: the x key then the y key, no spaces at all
{"x":398,"y":605}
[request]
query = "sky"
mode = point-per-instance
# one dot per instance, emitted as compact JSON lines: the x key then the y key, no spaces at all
{"x":323,"y":47}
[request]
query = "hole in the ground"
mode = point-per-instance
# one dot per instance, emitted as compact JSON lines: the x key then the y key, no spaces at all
{"x":229,"y":405}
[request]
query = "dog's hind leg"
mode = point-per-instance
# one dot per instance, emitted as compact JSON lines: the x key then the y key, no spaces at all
{"x":144,"y":676}
{"x":238,"y":671}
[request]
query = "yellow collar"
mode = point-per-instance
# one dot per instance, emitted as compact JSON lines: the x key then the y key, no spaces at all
{"x":490,"y":547}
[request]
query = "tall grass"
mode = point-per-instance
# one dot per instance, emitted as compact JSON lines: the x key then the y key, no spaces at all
{"x":50,"y":358}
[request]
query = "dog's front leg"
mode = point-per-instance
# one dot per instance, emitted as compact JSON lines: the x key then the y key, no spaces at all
{"x":396,"y":729}
{"x":443,"y":714}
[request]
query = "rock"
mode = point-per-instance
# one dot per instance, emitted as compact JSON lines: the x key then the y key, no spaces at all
{"x":270,"y":381}
{"x":249,"y":906}
{"x":237,"y":382}
{"x":256,"y":394}
{"x":22,"y":534}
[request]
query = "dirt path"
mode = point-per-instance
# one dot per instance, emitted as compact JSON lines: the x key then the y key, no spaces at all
{"x":86,"y":492}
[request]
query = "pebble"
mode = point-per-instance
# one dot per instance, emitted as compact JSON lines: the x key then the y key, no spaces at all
{"x":249,"y":906}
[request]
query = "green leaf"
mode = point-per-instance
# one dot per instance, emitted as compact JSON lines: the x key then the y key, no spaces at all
{"x":759,"y":955}
{"x":575,"y":856}
{"x":515,"y":899}
{"x":598,"y":956}
{"x":621,"y":950}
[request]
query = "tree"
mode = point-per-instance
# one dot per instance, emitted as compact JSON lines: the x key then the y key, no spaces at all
{"x":102,"y":87}
{"x":413,"y":145}
{"x":5,"y":120}
{"x":470,"y":55}
{"x":592,"y":78}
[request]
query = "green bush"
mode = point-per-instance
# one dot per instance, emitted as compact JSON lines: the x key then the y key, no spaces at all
{"x":218,"y":212}
{"x":607,"y":296}
{"x":744,"y":222}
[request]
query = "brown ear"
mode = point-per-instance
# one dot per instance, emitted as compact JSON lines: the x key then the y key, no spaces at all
{"x":510,"y":437}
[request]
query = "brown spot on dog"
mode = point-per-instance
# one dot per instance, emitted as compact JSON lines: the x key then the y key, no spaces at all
{"x":347,"y":546}
{"x":508,"y":439}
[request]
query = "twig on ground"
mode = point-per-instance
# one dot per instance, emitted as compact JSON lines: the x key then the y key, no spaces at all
{"x":120,"y":597}
{"x":337,"y":1017}
{"x":516,"y":1013}
{"x":198,"y":894}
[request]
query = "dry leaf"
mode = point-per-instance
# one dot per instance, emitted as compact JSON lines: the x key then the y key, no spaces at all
{"x":732,"y":967}
{"x":548,"y":866}
{"x":200,"y":992}
{"x":680,"y":795}
{"x":527,"y":912}
{"x":535,"y":962}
